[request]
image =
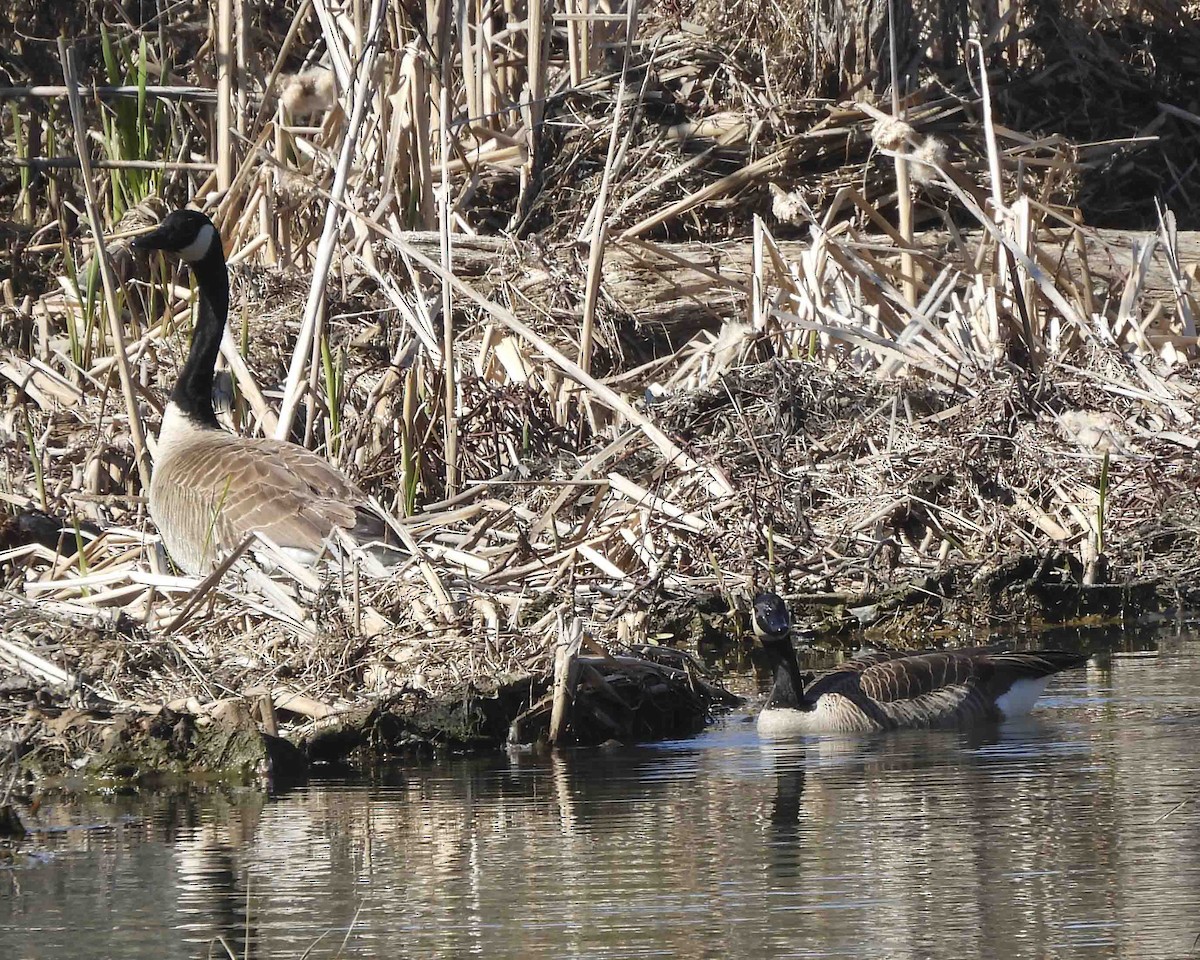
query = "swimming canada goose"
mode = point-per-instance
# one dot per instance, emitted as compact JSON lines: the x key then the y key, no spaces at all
{"x":210,"y":488}
{"x":891,"y":689}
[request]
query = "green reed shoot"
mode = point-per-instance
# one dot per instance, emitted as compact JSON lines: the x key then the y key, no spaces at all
{"x":91,"y":310}
{"x":21,"y":146}
{"x":80,"y":553}
{"x":35,"y":462}
{"x":129,"y":134}
{"x":93,"y":302}
{"x":334,"y":369}
{"x":143,"y":129}
{"x":210,"y":533}
{"x":409,"y":457}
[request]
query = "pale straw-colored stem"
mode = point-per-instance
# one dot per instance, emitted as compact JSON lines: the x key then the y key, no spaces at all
{"x":225,"y":70}
{"x":903,"y":183}
{"x":450,"y":400}
{"x":295,"y":384}
{"x":599,"y":218}
{"x":137,"y":436}
{"x":51,"y":92}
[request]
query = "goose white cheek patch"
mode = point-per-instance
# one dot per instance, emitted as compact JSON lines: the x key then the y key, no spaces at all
{"x":199,"y":247}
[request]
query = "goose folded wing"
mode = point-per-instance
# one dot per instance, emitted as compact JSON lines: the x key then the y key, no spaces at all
{"x":344,"y":504}
{"x":916,"y":676}
{"x":846,"y":677}
{"x":295,"y":500}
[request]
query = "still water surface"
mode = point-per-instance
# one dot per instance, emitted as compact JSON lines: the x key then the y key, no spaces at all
{"x":1058,"y":836}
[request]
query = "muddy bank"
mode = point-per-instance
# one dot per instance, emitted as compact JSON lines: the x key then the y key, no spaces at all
{"x":71,"y":739}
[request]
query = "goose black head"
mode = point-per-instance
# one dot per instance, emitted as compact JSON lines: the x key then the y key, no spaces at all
{"x":188,"y":234}
{"x":769,"y":618}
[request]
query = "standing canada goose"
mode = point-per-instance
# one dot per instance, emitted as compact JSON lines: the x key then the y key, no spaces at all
{"x":210,"y":488}
{"x":891,"y":689}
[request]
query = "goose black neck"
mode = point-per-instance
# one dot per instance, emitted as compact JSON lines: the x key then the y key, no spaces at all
{"x":789,"y":685}
{"x":193,"y":390}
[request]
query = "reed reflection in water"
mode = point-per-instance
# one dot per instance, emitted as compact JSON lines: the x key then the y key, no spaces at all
{"x":1032,"y":839}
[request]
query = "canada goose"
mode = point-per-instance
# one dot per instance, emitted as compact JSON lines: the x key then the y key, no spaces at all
{"x":891,"y":689}
{"x":210,"y":488}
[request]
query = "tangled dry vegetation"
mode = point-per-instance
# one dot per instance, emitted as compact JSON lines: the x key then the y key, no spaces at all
{"x":641,"y":320}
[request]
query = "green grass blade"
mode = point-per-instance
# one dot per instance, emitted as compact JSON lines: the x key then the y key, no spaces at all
{"x":35,"y":461}
{"x":79,"y":552}
{"x":110,"y":57}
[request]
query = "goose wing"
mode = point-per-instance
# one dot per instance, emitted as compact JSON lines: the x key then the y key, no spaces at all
{"x":914,"y":676}
{"x":338,"y":501}
{"x":848,"y":675}
{"x":893,"y":689}
{"x":1009,"y":666}
{"x":992,"y":669}
{"x":893,"y":675}
{"x":209,"y":494}
{"x":938,"y":687}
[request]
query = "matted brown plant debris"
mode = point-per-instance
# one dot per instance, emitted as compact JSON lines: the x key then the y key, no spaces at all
{"x":608,"y":312}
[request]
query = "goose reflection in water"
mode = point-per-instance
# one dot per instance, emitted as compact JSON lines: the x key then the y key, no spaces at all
{"x":210,"y":874}
{"x":783,"y":822}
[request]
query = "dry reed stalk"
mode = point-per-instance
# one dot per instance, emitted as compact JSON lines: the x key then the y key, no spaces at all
{"x":1180,"y":284}
{"x":599,"y":211}
{"x":438,"y":12}
{"x":284,"y":698}
{"x":566,"y":673}
{"x":733,"y":181}
{"x":314,"y":376}
{"x":1041,"y":279}
{"x":339,"y":57}
{"x":45,"y":386}
{"x":420,"y":135}
{"x":903,"y":187}
{"x":30,"y":663}
{"x":757,"y":279}
{"x":225,"y":103}
{"x":294,"y":386}
{"x":57,"y":163}
{"x":116,"y":330}
{"x":534,"y":94}
{"x":468,"y":58}
{"x":227,"y":206}
{"x":241,"y":32}
{"x":644,"y":498}
{"x":247,"y":384}
{"x":170,"y":92}
{"x":676,"y":172}
{"x":449,"y":368}
{"x":577,"y":46}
